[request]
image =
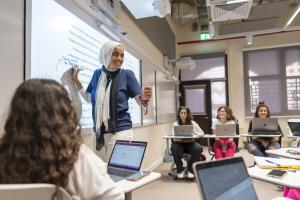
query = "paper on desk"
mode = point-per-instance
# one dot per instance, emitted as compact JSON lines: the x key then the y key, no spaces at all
{"x":277,"y":163}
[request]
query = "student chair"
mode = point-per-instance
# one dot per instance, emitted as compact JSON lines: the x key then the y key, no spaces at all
{"x":186,"y":157}
{"x":31,"y":191}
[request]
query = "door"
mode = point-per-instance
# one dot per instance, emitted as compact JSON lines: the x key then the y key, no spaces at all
{"x":197,"y":96}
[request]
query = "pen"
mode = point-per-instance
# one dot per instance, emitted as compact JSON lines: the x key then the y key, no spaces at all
{"x":274,"y":163}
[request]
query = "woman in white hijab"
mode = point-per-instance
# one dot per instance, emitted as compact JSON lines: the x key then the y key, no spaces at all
{"x":108,"y":91}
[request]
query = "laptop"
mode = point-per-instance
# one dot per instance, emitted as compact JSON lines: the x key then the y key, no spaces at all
{"x":226,"y":129}
{"x":295,"y":128}
{"x":224,"y":179}
{"x":183,"y":130}
{"x":268,"y":126}
{"x":126,"y":159}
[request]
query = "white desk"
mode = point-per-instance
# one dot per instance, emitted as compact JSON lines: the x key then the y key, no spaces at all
{"x":283,"y":152}
{"x":290,"y":180}
{"x":180,"y":137}
{"x":249,"y":135}
{"x":129,"y":186}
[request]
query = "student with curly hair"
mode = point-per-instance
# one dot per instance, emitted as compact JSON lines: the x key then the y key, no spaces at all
{"x":42,"y":144}
{"x":223,"y":147}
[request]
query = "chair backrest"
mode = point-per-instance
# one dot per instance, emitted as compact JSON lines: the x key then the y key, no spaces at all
{"x":31,"y":191}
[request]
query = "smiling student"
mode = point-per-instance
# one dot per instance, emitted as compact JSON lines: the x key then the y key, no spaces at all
{"x":109,"y":91}
{"x":223,"y":147}
{"x":258,"y":145}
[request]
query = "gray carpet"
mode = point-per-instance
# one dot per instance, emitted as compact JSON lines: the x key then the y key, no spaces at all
{"x":168,"y":189}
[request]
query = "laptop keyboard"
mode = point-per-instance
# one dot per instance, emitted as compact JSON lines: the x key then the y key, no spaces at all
{"x":119,"y":174}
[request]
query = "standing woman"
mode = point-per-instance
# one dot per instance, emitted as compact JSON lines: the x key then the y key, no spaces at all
{"x":223,"y":147}
{"x":258,"y":145}
{"x":42,"y":144}
{"x":189,"y":146}
{"x":109,"y":91}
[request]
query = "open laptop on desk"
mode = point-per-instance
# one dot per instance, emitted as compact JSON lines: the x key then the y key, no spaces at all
{"x":225,"y":129}
{"x":295,"y":128}
{"x":268,"y":126}
{"x":184,"y":130}
{"x":224,"y":179}
{"x":126,"y":159}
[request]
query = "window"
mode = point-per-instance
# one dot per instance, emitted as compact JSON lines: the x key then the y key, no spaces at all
{"x":273,"y":76}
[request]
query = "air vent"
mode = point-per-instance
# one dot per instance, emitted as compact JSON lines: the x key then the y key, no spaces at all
{"x":228,"y":10}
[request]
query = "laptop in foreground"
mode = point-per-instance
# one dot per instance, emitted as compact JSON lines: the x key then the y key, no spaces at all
{"x":295,"y":128}
{"x":224,"y":179}
{"x":126,"y":159}
{"x":268,"y":126}
{"x":183,"y":130}
{"x":225,"y":129}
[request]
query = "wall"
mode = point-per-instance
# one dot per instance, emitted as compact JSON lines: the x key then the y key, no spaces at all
{"x":12,"y":70}
{"x":11,"y":51}
{"x":233,"y":48}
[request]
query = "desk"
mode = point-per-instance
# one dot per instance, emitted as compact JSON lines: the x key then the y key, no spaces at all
{"x":282,"y":152}
{"x":129,"y":186}
{"x":290,"y":180}
{"x":249,"y":135}
{"x":213,"y":136}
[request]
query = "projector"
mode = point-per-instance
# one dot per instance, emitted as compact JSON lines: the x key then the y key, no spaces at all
{"x":186,"y":63}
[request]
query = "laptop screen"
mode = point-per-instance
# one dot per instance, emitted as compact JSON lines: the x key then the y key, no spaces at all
{"x":225,"y":179}
{"x":127,"y":154}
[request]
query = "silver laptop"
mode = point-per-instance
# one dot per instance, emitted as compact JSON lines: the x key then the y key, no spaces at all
{"x":226,"y":129}
{"x":268,"y":126}
{"x":224,"y":179}
{"x":295,"y":128}
{"x":126,"y":159}
{"x":183,"y":130}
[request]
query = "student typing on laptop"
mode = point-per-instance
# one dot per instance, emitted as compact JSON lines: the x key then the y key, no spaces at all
{"x":258,"y":145}
{"x":190,"y":146}
{"x":223,"y":147}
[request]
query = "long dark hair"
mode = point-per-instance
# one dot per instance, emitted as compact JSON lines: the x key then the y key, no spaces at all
{"x":41,"y":139}
{"x":188,"y":117}
{"x":228,"y":110}
{"x":261,"y":105}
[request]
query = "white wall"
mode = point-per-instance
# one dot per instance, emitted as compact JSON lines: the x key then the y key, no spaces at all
{"x":11,"y":51}
{"x":233,"y":48}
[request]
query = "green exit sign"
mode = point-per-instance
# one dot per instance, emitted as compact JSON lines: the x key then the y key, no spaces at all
{"x":205,"y":36}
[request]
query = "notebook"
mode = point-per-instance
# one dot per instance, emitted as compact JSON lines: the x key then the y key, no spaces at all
{"x":224,"y":179}
{"x":183,"y":130}
{"x":295,"y":128}
{"x":126,"y":159}
{"x":268,"y":126}
{"x":277,"y":163}
{"x":226,"y":129}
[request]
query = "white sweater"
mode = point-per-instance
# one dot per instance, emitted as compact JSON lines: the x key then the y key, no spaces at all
{"x":89,"y":180}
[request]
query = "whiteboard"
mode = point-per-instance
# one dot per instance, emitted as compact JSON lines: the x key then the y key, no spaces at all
{"x":56,"y":39}
{"x":166,"y":103}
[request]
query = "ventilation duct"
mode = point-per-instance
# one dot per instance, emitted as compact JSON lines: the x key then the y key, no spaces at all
{"x":223,"y":10}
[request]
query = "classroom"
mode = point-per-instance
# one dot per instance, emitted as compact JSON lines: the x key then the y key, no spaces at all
{"x":203,"y":54}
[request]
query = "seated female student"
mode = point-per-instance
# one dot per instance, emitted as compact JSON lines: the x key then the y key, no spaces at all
{"x":190,"y":146}
{"x":42,"y":144}
{"x":223,"y":147}
{"x":258,"y":145}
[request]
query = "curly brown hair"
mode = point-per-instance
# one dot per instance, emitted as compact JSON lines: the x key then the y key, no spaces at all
{"x":228,"y":110}
{"x":41,"y":141}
